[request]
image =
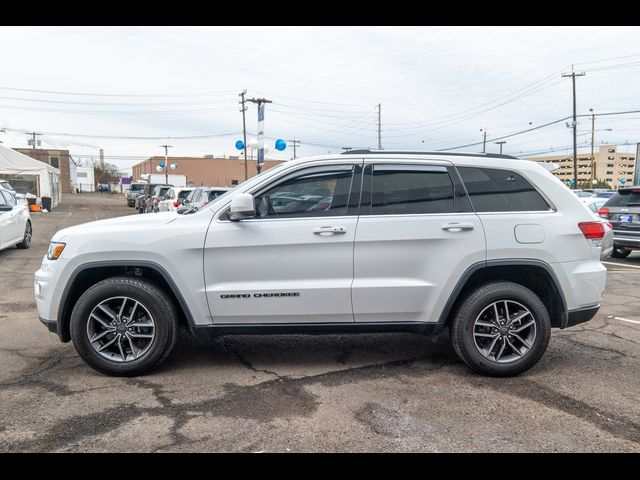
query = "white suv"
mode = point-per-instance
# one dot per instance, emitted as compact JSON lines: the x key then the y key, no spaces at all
{"x":494,"y":248}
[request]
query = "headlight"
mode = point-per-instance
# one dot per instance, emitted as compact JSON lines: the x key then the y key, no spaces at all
{"x":55,"y":250}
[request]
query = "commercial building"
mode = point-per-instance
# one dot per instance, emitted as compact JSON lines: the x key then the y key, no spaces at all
{"x":82,"y":178}
{"x":56,"y":158}
{"x":209,"y":171}
{"x":608,"y":165}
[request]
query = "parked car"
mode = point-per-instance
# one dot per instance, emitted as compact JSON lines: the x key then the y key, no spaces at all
{"x":582,"y":193}
{"x":605,"y":195}
{"x":200,"y":197}
{"x":623,"y":211}
{"x":15,"y":222}
{"x":147,"y":191}
{"x":174,"y":198}
{"x":151,"y":203}
{"x":491,"y":247}
{"x":135,"y":189}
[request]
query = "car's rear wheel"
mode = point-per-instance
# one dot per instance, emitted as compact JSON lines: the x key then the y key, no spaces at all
{"x":619,"y":252}
{"x":26,"y":239}
{"x":124,"y":326}
{"x":500,"y":329}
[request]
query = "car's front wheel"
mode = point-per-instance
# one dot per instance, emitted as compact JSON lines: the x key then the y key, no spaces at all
{"x":124,"y":326}
{"x":619,"y":252}
{"x":500,"y":329}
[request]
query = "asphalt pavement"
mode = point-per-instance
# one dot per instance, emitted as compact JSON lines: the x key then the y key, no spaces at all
{"x":298,"y":393}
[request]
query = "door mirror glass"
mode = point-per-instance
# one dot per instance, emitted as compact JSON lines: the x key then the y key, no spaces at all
{"x":242,"y":206}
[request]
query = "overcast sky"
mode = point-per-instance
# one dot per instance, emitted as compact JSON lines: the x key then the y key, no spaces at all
{"x":438,"y":86}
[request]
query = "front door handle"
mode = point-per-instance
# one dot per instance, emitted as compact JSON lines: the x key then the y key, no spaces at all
{"x":457,"y":227}
{"x":329,"y":230}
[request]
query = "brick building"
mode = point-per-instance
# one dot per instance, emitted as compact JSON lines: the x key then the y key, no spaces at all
{"x":56,"y":158}
{"x":608,"y":165}
{"x":214,"y":172}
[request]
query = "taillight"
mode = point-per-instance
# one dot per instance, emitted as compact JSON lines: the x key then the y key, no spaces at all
{"x":603,"y":212}
{"x":176,"y":204}
{"x":591,"y":229}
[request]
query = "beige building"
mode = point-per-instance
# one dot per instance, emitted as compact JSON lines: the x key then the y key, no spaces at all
{"x":608,"y":166}
{"x":212,"y":172}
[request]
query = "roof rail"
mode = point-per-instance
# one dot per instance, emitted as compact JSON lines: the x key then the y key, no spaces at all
{"x":419,"y":152}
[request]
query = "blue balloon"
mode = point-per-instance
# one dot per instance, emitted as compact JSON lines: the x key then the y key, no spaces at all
{"x":623,"y":181}
{"x":239,"y":144}
{"x":161,"y":164}
{"x":280,"y":144}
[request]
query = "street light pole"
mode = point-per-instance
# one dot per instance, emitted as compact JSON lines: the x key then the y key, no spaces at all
{"x":484,"y":140}
{"x":166,"y":165}
{"x":501,"y":143}
{"x":593,"y":134}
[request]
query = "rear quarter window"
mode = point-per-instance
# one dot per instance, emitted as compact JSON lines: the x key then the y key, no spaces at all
{"x":497,"y":190}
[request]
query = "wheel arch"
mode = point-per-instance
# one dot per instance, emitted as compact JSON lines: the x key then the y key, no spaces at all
{"x":536,"y":275}
{"x":91,"y":273}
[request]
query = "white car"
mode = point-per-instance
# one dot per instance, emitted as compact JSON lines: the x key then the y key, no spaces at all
{"x":174,"y":198}
{"x":493,"y":248}
{"x":15,"y":222}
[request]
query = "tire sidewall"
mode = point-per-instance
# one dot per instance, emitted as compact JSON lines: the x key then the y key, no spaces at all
{"x":107,"y":289}
{"x":474,"y":305}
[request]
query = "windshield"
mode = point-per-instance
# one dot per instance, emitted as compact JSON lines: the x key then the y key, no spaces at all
{"x":6,"y":185}
{"x":137,"y":187}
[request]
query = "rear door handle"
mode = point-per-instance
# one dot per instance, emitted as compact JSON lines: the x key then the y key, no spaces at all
{"x":329,"y":230}
{"x":457,"y":227}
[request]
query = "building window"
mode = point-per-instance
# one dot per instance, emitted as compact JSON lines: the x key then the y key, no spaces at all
{"x":612,"y":150}
{"x":609,"y":172}
{"x":610,"y":165}
{"x":55,"y":162}
{"x":82,"y":174}
{"x":234,"y":182}
{"x":610,"y":157}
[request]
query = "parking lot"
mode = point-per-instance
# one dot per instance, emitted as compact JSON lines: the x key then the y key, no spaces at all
{"x":385,"y":392}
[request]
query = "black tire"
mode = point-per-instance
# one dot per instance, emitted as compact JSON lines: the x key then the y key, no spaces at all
{"x":463,"y":320}
{"x":26,"y":239}
{"x":619,"y":252}
{"x":154,"y":299}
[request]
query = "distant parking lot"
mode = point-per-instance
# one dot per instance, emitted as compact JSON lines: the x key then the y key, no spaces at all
{"x":387,"y":392}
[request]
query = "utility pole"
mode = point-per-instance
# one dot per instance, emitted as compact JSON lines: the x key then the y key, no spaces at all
{"x":260,"y":102}
{"x":33,"y":141}
{"x":379,"y":126}
{"x":244,"y":134}
{"x":346,"y":149}
{"x":295,"y":143}
{"x":166,"y":165}
{"x":573,"y":76}
{"x":593,"y":134}
{"x":484,"y":140}
{"x":501,"y":143}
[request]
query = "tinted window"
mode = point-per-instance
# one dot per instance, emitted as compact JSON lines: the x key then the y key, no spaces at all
{"x":406,"y":191}
{"x":494,"y":190}
{"x":215,"y":194}
{"x":137,"y":187}
{"x":184,"y":194}
{"x":312,"y":194}
{"x":625,"y":198}
{"x":9,"y":199}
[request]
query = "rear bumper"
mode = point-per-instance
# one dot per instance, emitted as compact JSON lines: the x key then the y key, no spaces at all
{"x":581,"y":315}
{"x":627,"y":241}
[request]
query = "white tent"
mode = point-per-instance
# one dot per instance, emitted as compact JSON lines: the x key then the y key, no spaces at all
{"x":47,"y":177}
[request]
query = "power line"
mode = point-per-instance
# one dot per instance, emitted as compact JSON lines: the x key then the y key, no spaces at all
{"x":86,"y":94}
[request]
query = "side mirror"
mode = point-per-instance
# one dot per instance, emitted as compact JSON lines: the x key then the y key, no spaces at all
{"x":242,"y":206}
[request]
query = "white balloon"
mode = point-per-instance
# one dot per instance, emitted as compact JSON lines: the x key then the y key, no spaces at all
{"x":158,"y":168}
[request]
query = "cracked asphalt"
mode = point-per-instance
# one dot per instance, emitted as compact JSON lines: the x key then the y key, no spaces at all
{"x":361,"y":393}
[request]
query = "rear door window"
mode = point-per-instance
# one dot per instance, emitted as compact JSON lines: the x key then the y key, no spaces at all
{"x":497,"y":190}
